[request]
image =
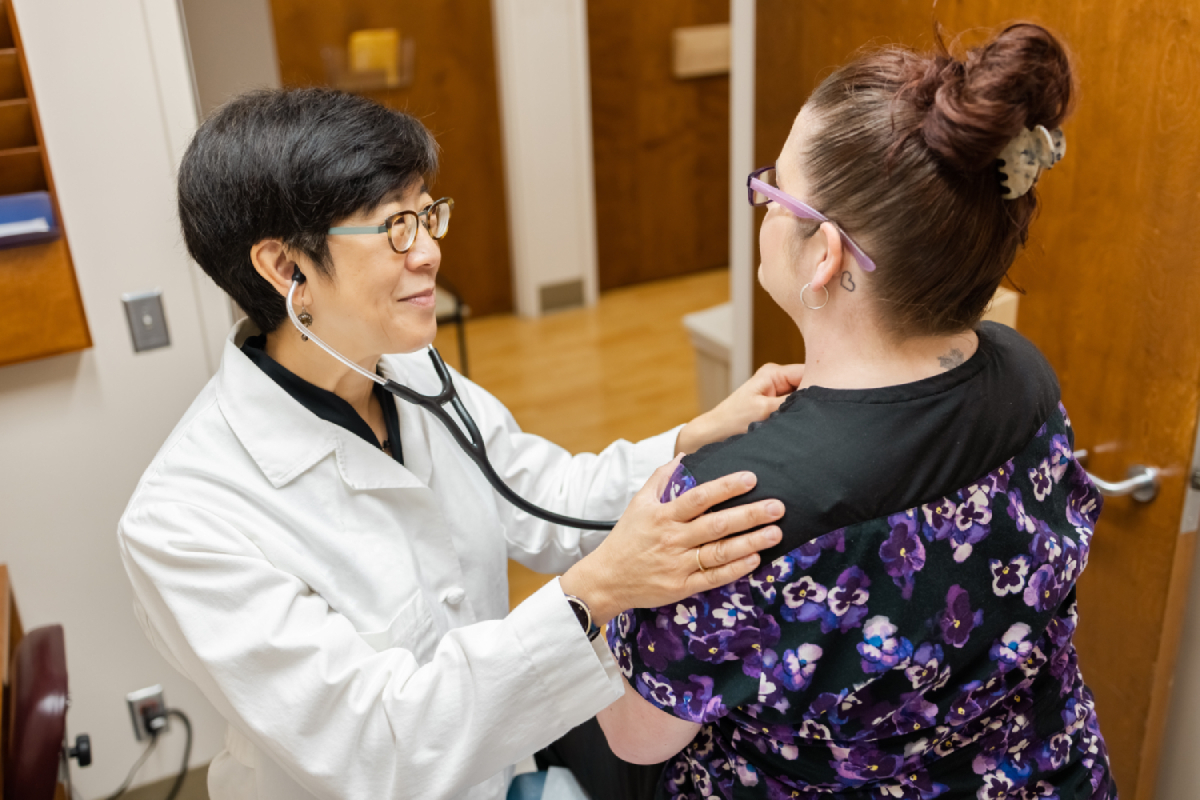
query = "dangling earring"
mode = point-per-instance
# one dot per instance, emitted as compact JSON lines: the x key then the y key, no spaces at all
{"x":805,"y":302}
{"x":306,"y":321}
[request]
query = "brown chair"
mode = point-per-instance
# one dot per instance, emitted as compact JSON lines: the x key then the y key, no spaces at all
{"x":35,"y":714}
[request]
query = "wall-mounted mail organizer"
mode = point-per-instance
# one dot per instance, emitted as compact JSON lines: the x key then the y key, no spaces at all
{"x":41,"y":312}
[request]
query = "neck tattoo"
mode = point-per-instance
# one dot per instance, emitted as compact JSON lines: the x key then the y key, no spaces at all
{"x":951,"y":359}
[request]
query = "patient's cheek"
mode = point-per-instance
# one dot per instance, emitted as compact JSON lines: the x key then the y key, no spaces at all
{"x":681,"y":481}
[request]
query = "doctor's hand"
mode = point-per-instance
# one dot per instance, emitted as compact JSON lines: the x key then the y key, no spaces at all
{"x":655,"y":553}
{"x":753,"y":401}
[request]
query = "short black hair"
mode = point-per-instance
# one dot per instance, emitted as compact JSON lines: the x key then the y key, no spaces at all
{"x":288,"y":164}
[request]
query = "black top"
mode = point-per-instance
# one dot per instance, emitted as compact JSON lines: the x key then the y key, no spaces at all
{"x":856,"y":453}
{"x":325,"y":404}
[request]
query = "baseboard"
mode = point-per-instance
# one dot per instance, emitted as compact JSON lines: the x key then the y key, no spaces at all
{"x":195,"y":787}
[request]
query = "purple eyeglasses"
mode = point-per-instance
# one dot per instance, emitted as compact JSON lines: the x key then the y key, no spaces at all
{"x":760,"y":192}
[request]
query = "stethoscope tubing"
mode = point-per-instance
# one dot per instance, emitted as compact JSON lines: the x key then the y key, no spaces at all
{"x":471,"y":442}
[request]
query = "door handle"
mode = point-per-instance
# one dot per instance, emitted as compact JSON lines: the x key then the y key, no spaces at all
{"x":1141,"y":482}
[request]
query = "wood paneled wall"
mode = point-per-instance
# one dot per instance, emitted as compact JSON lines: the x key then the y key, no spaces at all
{"x":1111,"y":293}
{"x":453,"y":92}
{"x":661,"y":144}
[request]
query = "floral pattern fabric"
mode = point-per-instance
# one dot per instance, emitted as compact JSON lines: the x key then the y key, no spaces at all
{"x":924,"y":654}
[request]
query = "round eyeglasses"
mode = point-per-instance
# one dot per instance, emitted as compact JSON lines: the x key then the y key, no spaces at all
{"x":402,"y":226}
{"x":762,"y":189}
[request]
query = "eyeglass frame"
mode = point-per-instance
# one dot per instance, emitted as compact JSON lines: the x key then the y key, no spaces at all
{"x":389,"y":223}
{"x":801,"y":210}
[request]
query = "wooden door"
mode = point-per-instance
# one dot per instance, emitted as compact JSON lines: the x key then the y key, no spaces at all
{"x":660,"y":144}
{"x":1112,"y":291}
{"x":453,"y":92}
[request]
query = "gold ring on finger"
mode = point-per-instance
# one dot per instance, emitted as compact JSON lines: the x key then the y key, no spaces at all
{"x":699,"y":563}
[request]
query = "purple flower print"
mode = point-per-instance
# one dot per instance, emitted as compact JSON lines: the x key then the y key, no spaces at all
{"x":659,"y":692}
{"x":1012,"y":648}
{"x":1061,"y":455}
{"x":971,"y":524}
{"x":729,"y":614}
{"x":809,"y":729}
{"x":623,"y":624}
{"x":696,"y":701}
{"x":1054,"y":752}
{"x":924,"y":671}
{"x":712,"y":647}
{"x":996,"y":786}
{"x":1009,"y":578}
{"x":1040,"y":477}
{"x":1083,"y":503}
{"x":659,"y":644}
{"x":881,"y":649}
{"x":680,"y":481}
{"x":795,"y":667}
{"x":919,"y":781}
{"x":1046,"y":545}
{"x":916,"y":714}
{"x":1045,"y":591}
{"x":1016,"y":510}
{"x":966,"y":707}
{"x":747,"y":775}
{"x":767,"y":581}
{"x":687,"y":614}
{"x":996,"y":481}
{"x":803,"y":599}
{"x":958,"y":620}
{"x":831,"y":708}
{"x":770,"y":689}
{"x":903,"y":554}
{"x":623,"y":657}
{"x":848,"y":599}
{"x":938,"y":519}
{"x":863,"y":764}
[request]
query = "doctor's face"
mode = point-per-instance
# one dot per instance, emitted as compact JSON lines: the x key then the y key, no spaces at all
{"x":377,"y":300}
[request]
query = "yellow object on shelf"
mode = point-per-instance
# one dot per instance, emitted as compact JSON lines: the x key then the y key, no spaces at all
{"x":376,"y":50}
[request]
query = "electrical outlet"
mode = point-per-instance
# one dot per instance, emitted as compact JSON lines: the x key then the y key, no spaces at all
{"x":143,"y":704}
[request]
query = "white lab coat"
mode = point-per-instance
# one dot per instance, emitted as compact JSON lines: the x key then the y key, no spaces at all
{"x":348,"y":616}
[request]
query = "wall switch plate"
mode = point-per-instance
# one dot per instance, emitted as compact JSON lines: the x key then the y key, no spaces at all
{"x":147,"y":320}
{"x":142,"y":703}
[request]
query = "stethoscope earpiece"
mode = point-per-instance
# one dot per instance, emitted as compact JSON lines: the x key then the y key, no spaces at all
{"x":298,"y":276}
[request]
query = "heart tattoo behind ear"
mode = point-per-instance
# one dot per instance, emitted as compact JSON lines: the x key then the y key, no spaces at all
{"x":848,"y":281}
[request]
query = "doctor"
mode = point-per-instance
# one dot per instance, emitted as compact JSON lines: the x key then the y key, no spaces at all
{"x":322,"y":560}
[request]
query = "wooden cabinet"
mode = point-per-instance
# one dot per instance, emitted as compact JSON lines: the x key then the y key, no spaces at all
{"x":41,"y":313}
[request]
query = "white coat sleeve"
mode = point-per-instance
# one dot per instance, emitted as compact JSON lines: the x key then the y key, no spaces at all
{"x":590,"y":486}
{"x":296,"y":679}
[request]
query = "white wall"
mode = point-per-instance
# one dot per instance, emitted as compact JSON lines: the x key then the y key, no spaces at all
{"x":76,"y":431}
{"x":546,"y":118}
{"x":742,"y":272}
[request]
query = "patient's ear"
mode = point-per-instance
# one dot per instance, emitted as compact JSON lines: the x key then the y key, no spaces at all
{"x":272,"y":261}
{"x":831,"y":265}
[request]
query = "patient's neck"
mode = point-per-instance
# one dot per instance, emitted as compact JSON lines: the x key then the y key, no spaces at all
{"x":853,"y":351}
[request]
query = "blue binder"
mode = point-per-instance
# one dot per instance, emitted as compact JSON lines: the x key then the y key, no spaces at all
{"x":27,"y":219}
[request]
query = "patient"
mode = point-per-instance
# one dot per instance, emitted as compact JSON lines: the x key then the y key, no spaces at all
{"x":911,"y":636}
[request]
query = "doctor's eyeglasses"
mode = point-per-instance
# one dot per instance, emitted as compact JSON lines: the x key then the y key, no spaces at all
{"x":402,"y":226}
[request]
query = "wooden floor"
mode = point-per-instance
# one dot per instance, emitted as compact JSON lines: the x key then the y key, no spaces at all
{"x":582,"y":378}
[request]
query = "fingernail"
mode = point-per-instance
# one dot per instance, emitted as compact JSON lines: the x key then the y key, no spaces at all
{"x":747,"y":478}
{"x":772,"y":534}
{"x":775,"y":508}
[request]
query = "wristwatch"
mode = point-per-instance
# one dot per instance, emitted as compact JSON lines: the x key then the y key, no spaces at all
{"x":584,"y":615}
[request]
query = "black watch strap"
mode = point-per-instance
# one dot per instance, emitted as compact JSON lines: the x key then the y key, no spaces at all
{"x":584,"y":614}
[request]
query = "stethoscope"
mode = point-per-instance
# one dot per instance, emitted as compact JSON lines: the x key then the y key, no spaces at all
{"x":471,"y":442}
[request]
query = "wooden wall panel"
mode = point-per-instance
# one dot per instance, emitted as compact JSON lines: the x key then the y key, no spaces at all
{"x":454,"y":93}
{"x":1111,"y":295}
{"x":41,"y":311}
{"x":661,"y":144}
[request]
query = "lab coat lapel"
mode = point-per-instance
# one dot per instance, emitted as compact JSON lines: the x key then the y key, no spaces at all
{"x":284,"y":438}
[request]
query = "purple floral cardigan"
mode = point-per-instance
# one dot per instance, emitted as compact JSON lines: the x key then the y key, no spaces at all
{"x":926,"y":654}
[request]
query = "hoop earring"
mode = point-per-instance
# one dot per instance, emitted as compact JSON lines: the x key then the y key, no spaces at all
{"x":306,"y":320}
{"x":806,"y":305}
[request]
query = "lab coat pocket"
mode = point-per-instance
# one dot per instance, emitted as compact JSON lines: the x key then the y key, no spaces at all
{"x":411,"y":629}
